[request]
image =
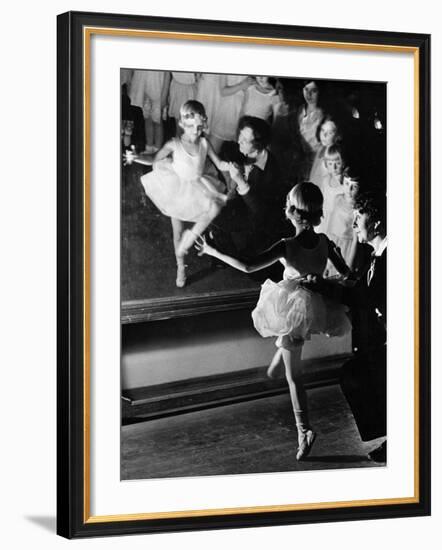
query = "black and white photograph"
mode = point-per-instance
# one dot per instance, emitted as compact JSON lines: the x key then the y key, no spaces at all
{"x":196,"y":284}
{"x":226,"y":192}
{"x":253,"y":274}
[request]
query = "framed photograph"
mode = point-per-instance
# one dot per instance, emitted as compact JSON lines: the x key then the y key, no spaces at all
{"x":223,"y":196}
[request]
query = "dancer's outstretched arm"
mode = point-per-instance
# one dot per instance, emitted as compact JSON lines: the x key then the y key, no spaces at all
{"x":130,"y":156}
{"x":263,"y":260}
{"x":226,"y":90}
{"x":221,"y":165}
{"x":165,"y":151}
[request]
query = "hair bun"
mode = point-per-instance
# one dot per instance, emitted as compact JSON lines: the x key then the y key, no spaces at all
{"x":305,"y":203}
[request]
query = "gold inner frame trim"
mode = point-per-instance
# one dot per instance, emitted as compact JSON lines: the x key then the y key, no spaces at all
{"x":87,"y":34}
{"x":244,"y":510}
{"x":416,"y":275}
{"x":247,"y":40}
{"x":87,"y":283}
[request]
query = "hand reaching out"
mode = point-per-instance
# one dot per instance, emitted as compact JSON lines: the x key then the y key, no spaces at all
{"x":240,"y":184}
{"x":311,"y":278}
{"x":203,"y":247}
{"x":311,"y":281}
{"x":129,"y":156}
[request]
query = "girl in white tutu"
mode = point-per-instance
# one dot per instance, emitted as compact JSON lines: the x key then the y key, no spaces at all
{"x":339,"y":223}
{"x":179,"y":188}
{"x":286,"y":309}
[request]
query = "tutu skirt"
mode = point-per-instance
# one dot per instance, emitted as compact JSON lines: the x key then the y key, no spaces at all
{"x":183,"y":199}
{"x":291,"y":312}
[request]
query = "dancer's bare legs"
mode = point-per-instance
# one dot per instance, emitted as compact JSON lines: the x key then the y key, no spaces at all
{"x":293,"y":372}
{"x":178,"y":230}
{"x":149,"y":129}
{"x":276,"y":368}
{"x":190,"y":235}
{"x":158,"y":134}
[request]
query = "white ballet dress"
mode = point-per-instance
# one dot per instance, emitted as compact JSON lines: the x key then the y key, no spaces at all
{"x":293,"y":313}
{"x":208,"y":93}
{"x":330,"y":187}
{"x":225,"y":123}
{"x":182,"y":89}
{"x":340,"y":226}
{"x":318,"y":172}
{"x":178,"y":187}
{"x":308,"y":124}
{"x":145,"y":92}
{"x":260,"y":104}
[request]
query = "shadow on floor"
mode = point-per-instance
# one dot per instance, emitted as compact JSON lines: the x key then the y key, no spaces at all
{"x":341,"y":459}
{"x":48,"y":523}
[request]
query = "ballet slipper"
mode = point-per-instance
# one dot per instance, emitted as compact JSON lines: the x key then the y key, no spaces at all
{"x":305,"y":444}
{"x":275,"y":369}
{"x":181,"y":276}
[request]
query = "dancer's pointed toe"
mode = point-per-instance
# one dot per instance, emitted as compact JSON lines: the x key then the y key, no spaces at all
{"x":181,"y":276}
{"x":305,"y":444}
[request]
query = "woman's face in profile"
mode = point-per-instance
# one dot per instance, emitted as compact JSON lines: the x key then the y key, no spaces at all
{"x":311,"y":93}
{"x":361,"y":227}
{"x":245,"y":141}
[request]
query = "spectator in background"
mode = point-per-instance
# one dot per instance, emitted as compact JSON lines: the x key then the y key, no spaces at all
{"x":149,"y":91}
{"x":132,"y":124}
{"x":309,"y":117}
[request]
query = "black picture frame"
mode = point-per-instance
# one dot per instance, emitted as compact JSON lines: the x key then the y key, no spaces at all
{"x":73,"y":392}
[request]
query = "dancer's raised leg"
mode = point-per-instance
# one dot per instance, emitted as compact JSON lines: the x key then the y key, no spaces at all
{"x":190,"y":235}
{"x":276,"y":366}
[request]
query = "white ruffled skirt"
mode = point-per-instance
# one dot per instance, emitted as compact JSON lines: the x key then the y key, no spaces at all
{"x":183,"y":199}
{"x":293,"y":313}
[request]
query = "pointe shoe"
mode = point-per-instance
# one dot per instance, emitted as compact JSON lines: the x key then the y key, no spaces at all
{"x":305,"y":444}
{"x":181,"y":276}
{"x":275,"y":368}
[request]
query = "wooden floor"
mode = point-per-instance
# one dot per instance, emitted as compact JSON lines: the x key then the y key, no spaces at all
{"x":250,"y":437}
